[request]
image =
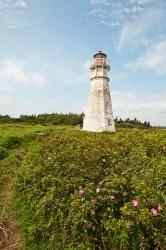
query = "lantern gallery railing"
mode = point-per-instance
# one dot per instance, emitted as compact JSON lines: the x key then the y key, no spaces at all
{"x":99,"y":61}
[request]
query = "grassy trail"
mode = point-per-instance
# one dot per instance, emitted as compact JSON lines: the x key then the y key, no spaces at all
{"x":10,"y":238}
{"x":15,"y":141}
{"x":9,"y":234}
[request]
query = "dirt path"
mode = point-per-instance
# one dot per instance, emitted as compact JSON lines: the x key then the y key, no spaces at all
{"x":10,"y":238}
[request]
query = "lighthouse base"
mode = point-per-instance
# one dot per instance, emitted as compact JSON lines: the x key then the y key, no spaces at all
{"x":97,"y":125}
{"x":98,"y":115}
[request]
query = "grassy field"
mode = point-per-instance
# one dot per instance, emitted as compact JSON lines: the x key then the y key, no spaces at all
{"x":15,"y":141}
{"x":67,"y":189}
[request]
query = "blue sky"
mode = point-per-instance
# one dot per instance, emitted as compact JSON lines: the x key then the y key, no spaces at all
{"x":46,"y":47}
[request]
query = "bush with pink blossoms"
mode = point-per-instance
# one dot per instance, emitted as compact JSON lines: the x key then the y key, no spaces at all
{"x":77,"y":201}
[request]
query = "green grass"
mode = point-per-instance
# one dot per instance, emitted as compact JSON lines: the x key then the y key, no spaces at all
{"x":17,"y":138}
{"x":128,"y":165}
{"x":15,"y":141}
{"x":50,"y":164}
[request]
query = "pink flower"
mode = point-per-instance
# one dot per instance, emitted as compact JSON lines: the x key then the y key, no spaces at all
{"x":154,"y":211}
{"x":135,"y":203}
{"x":97,"y":190}
{"x":112,"y":197}
{"x":81,"y":192}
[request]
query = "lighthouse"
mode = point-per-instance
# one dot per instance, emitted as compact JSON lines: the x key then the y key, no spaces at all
{"x":98,"y":114}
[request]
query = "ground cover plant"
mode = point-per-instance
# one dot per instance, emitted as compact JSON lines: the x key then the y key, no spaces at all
{"x":14,"y":144}
{"x":80,"y":190}
{"x":13,"y":136}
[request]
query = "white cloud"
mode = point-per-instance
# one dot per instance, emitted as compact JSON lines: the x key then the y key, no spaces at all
{"x":104,"y":2}
{"x":150,"y":107}
{"x":138,"y":17}
{"x":136,"y":33}
{"x":154,"y":59}
{"x":134,"y":9}
{"x":142,"y":2}
{"x":14,"y":72}
{"x":6,"y":4}
{"x":110,"y":24}
{"x":12,"y":13}
{"x":21,"y":3}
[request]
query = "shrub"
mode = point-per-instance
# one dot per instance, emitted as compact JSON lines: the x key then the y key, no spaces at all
{"x":11,"y":142}
{"x":3,"y":153}
{"x":81,"y":190}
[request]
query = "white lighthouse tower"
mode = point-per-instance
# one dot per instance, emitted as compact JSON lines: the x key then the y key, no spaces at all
{"x":98,"y":114}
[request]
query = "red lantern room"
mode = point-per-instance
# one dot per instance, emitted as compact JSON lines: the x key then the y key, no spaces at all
{"x":100,"y":60}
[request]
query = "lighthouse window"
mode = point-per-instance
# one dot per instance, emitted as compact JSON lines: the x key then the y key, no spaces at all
{"x":99,"y":69}
{"x":109,"y":122}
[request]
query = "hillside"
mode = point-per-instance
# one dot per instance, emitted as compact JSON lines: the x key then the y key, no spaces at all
{"x":80,"y":190}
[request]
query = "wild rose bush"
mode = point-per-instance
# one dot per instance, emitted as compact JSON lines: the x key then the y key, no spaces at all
{"x":80,"y":191}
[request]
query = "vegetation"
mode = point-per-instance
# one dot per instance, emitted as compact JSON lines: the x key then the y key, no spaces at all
{"x":129,"y":123}
{"x":54,"y":119}
{"x":80,"y":190}
{"x":68,"y":119}
{"x":14,"y":143}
